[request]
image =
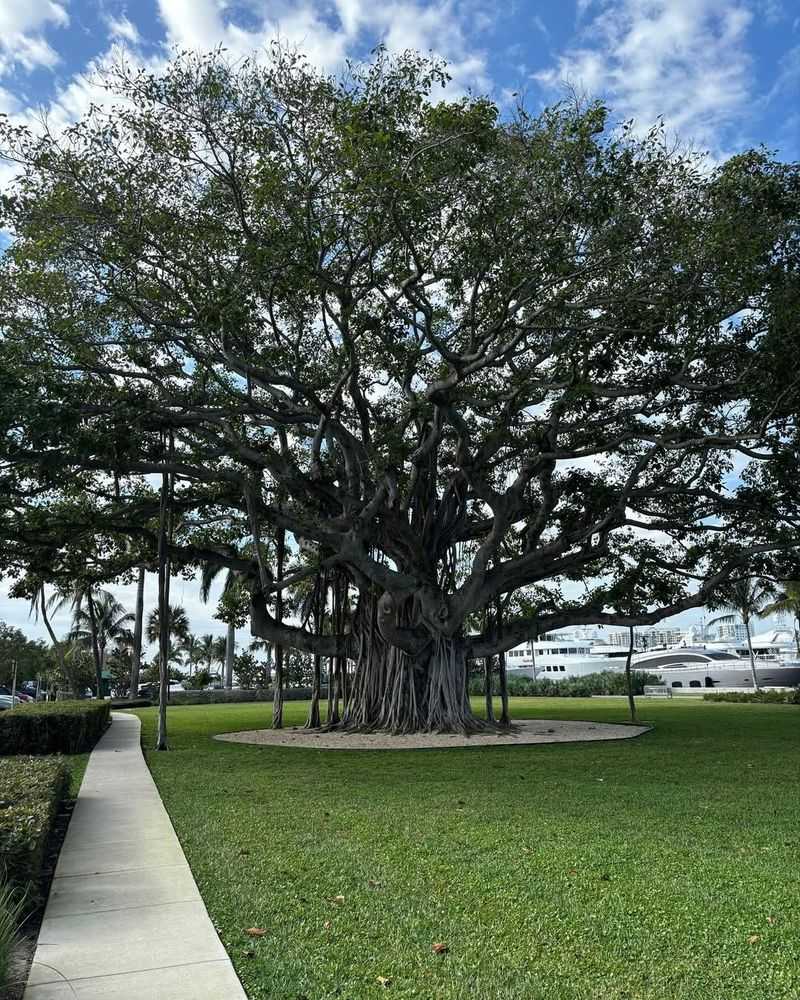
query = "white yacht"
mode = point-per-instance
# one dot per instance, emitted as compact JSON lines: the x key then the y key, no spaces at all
{"x":690,"y":665}
{"x":561,"y":657}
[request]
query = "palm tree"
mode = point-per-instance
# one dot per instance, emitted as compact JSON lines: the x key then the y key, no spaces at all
{"x":101,"y":622}
{"x":229,"y":588}
{"x":788,"y":601}
{"x":41,"y":604}
{"x":191,"y":645}
{"x":136,"y":652}
{"x":206,"y":650}
{"x":746,"y":598}
{"x":178,"y":624}
{"x":120,"y":659}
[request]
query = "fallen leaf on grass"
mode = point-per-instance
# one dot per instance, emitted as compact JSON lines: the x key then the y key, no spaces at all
{"x":384,"y":981}
{"x":327,"y":925}
{"x":250,"y":953}
{"x":336,"y":899}
{"x":754,"y":939}
{"x":440,"y":948}
{"x":772,"y":921}
{"x":374,"y":884}
{"x":255,"y":932}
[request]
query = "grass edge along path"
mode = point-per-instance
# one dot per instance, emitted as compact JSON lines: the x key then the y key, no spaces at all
{"x":662,"y":867}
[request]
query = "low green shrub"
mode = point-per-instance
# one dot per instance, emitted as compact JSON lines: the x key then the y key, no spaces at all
{"x":220,"y":696}
{"x":10,"y":916}
{"x":53,"y":727}
{"x":788,"y":697}
{"x":31,"y":790}
{"x":604,"y":682}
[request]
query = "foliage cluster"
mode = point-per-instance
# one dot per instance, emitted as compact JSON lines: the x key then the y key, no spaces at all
{"x":762,"y":697}
{"x":250,"y":672}
{"x":606,"y":682}
{"x":53,"y":727}
{"x":11,"y":903}
{"x":32,"y":657}
{"x":31,"y":789}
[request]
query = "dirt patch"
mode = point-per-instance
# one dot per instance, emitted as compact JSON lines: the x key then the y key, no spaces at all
{"x":525,"y":732}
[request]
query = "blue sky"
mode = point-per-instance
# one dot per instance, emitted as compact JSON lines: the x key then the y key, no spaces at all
{"x":723,"y":74}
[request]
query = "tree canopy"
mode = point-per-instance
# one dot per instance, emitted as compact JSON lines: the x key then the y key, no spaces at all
{"x":463,"y":361}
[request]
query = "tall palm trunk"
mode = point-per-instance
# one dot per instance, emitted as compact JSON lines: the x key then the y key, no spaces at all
{"x":136,"y":655}
{"x":230,"y":643}
{"x":98,"y":660}
{"x":746,"y":619}
{"x":797,"y":633}
{"x":57,"y":647}
{"x":629,"y":679}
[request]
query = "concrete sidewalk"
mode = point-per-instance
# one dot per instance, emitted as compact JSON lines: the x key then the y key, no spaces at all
{"x":124,"y":920}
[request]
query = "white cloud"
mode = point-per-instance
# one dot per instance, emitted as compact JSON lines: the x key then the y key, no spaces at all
{"x":123,"y":29}
{"x":441,"y":27}
{"x":21,"y":41}
{"x":683,"y":60}
{"x":195,"y":24}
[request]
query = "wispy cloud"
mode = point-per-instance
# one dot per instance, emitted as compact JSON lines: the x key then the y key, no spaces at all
{"x":684,"y":60}
{"x":122,"y":29}
{"x":22,"y":42}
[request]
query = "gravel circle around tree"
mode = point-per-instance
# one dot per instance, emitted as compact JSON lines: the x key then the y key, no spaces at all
{"x":526,"y":732}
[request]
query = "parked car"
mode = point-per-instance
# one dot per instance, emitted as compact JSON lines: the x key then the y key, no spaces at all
{"x":21,"y":695}
{"x":6,"y":701}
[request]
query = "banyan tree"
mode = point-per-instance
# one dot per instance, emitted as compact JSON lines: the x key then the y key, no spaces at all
{"x":460,"y":375}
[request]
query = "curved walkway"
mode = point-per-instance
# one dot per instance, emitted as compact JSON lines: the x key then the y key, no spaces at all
{"x":124,"y":919}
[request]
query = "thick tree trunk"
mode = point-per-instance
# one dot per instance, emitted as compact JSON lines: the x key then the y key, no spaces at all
{"x":394,"y":692}
{"x":330,"y":690}
{"x":230,"y":643}
{"x":277,"y":692}
{"x":163,"y":619}
{"x":797,"y":634}
{"x":629,"y":679}
{"x":489,"y":695}
{"x":136,"y":655}
{"x":505,"y":716}
{"x":313,"y":721}
{"x":334,"y":715}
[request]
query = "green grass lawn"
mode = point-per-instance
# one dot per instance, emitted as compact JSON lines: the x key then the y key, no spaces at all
{"x":660,"y":867}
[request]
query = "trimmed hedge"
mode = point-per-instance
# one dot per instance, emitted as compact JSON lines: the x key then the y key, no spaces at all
{"x":221,"y":696}
{"x":53,"y":727}
{"x":31,"y":790}
{"x":603,"y":683}
{"x":790,"y":697}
